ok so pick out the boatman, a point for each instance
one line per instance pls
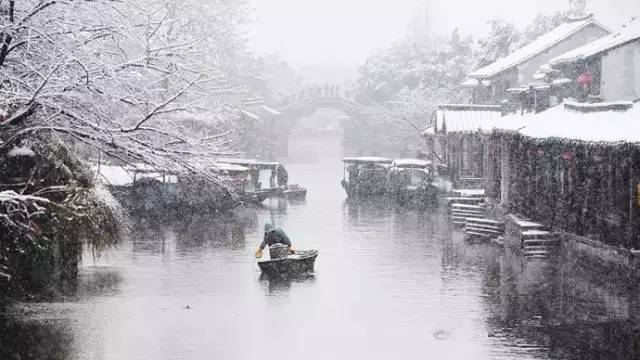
(274, 235)
(282, 176)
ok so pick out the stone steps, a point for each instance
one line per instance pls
(464, 200)
(538, 243)
(467, 209)
(482, 227)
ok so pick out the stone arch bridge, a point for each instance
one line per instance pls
(291, 113)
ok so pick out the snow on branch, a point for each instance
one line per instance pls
(115, 76)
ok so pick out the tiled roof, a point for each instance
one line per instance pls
(465, 118)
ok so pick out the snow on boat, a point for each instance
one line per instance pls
(295, 192)
(277, 179)
(365, 176)
(410, 182)
(299, 263)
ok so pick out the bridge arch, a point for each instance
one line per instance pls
(308, 106)
(290, 115)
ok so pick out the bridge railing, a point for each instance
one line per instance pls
(319, 91)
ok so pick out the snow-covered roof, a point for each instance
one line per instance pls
(114, 175)
(534, 48)
(561, 81)
(470, 83)
(250, 115)
(123, 176)
(21, 151)
(365, 159)
(247, 162)
(627, 34)
(517, 90)
(469, 192)
(602, 122)
(465, 118)
(229, 167)
(411, 163)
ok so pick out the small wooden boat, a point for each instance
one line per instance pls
(263, 194)
(295, 192)
(300, 262)
(410, 182)
(258, 196)
(290, 192)
(365, 176)
(251, 169)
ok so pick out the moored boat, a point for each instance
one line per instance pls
(299, 263)
(295, 192)
(365, 176)
(276, 175)
(410, 182)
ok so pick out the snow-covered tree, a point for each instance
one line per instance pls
(578, 7)
(503, 39)
(114, 75)
(125, 79)
(405, 82)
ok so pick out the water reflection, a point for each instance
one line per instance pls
(556, 306)
(190, 233)
(390, 282)
(298, 202)
(98, 281)
(279, 286)
(277, 206)
(35, 339)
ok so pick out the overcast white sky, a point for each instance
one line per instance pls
(344, 32)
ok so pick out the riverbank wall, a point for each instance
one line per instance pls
(615, 261)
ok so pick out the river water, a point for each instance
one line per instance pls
(389, 283)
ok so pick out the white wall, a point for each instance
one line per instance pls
(588, 34)
(621, 73)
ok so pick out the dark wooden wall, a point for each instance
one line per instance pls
(589, 189)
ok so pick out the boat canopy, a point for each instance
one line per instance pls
(230, 167)
(126, 175)
(250, 163)
(147, 169)
(411, 163)
(367, 160)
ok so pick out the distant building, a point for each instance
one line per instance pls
(607, 69)
(490, 83)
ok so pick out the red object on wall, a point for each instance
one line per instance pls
(567, 156)
(34, 227)
(585, 79)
